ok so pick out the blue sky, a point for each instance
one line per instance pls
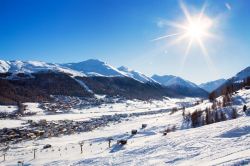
(120, 32)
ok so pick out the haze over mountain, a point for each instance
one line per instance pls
(233, 83)
(212, 85)
(179, 84)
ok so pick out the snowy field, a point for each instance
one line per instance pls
(7, 109)
(222, 143)
(130, 106)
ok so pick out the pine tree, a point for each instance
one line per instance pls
(223, 116)
(234, 113)
(217, 116)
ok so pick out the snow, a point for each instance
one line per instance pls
(11, 124)
(212, 85)
(243, 74)
(33, 67)
(136, 75)
(4, 66)
(57, 117)
(169, 80)
(34, 108)
(222, 143)
(7, 109)
(180, 81)
(148, 147)
(130, 106)
(94, 67)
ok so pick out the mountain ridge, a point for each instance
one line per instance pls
(212, 85)
(182, 86)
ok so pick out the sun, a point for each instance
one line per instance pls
(196, 28)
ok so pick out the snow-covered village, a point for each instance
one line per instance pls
(169, 84)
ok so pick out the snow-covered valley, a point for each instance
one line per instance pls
(222, 143)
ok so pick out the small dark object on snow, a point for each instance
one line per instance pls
(30, 121)
(165, 133)
(122, 142)
(244, 108)
(47, 146)
(20, 163)
(143, 126)
(133, 132)
(109, 140)
(247, 87)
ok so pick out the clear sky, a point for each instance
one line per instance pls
(120, 32)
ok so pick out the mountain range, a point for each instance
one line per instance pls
(212, 85)
(234, 83)
(35, 80)
(180, 85)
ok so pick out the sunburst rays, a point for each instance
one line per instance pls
(195, 29)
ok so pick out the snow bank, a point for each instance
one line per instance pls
(7, 109)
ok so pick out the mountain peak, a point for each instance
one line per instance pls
(135, 75)
(243, 73)
(94, 67)
(17, 66)
(181, 85)
(212, 85)
(123, 68)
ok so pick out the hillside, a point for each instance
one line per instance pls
(181, 86)
(33, 81)
(212, 85)
(234, 83)
(221, 143)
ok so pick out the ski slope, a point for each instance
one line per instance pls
(217, 144)
(222, 143)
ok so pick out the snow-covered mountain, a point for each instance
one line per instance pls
(28, 67)
(169, 80)
(136, 75)
(242, 74)
(212, 85)
(111, 81)
(179, 85)
(234, 83)
(94, 67)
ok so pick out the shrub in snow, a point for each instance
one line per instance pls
(217, 116)
(143, 126)
(212, 97)
(226, 100)
(173, 128)
(173, 110)
(196, 117)
(214, 105)
(169, 129)
(234, 113)
(212, 116)
(133, 132)
(223, 116)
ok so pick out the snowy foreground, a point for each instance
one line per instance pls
(222, 143)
